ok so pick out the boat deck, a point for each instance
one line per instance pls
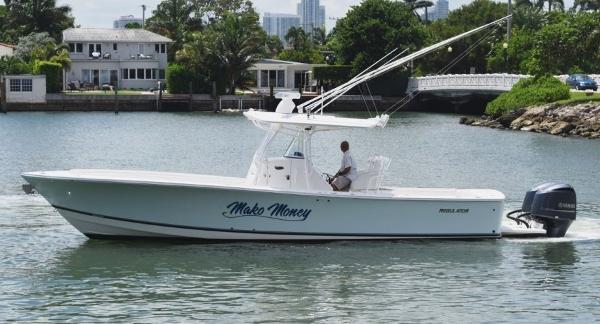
(220, 182)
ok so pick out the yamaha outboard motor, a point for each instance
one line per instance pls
(552, 204)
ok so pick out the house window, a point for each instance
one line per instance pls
(253, 78)
(280, 78)
(115, 47)
(163, 48)
(154, 74)
(85, 75)
(161, 74)
(71, 47)
(132, 74)
(264, 79)
(26, 85)
(21, 85)
(157, 48)
(15, 85)
(94, 48)
(125, 74)
(148, 74)
(140, 74)
(79, 47)
(141, 48)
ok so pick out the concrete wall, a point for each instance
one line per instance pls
(37, 93)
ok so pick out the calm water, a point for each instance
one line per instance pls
(48, 271)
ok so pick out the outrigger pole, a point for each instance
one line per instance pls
(318, 103)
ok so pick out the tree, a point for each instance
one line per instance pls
(373, 29)
(473, 15)
(302, 48)
(173, 19)
(586, 5)
(274, 46)
(133, 25)
(27, 16)
(42, 47)
(236, 41)
(225, 49)
(13, 65)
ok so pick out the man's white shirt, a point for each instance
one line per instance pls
(348, 161)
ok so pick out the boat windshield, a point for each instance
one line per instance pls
(296, 148)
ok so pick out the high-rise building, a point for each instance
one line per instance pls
(441, 9)
(312, 15)
(123, 21)
(438, 11)
(279, 24)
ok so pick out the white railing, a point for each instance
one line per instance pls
(468, 82)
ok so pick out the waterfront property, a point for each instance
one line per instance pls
(124, 58)
(6, 49)
(282, 76)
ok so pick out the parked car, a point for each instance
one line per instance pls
(581, 82)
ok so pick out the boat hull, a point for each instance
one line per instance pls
(127, 209)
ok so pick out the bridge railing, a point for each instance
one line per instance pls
(471, 82)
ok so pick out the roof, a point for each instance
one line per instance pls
(318, 122)
(7, 45)
(113, 35)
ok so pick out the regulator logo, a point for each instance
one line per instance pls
(278, 211)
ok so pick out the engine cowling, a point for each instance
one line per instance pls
(554, 205)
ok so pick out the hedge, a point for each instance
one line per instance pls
(529, 92)
(52, 71)
(333, 73)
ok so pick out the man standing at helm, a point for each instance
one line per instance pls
(347, 173)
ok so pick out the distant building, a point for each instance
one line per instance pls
(312, 15)
(282, 76)
(441, 9)
(125, 58)
(123, 21)
(279, 24)
(6, 50)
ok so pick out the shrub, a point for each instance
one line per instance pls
(529, 92)
(179, 78)
(333, 73)
(52, 71)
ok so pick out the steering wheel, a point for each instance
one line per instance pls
(328, 177)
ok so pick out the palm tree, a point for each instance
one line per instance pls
(39, 16)
(296, 37)
(552, 4)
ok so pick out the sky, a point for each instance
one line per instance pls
(102, 13)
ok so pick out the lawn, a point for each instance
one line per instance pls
(580, 97)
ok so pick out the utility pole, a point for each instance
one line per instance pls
(144, 16)
(509, 21)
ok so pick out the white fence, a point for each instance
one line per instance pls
(465, 82)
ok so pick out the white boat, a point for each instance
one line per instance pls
(281, 198)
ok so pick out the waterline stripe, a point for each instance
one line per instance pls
(390, 236)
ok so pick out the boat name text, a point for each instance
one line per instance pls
(275, 211)
(454, 210)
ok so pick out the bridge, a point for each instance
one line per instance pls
(459, 85)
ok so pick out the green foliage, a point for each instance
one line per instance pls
(529, 92)
(36, 46)
(52, 71)
(467, 17)
(373, 29)
(25, 17)
(274, 46)
(333, 73)
(13, 65)
(179, 78)
(303, 49)
(556, 43)
(133, 25)
(225, 50)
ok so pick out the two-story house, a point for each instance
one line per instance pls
(125, 58)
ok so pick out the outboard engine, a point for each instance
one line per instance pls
(552, 204)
